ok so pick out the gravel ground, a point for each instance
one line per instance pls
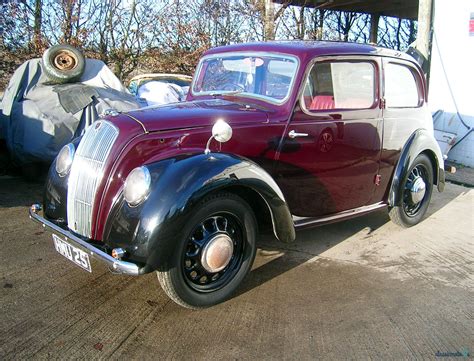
(360, 289)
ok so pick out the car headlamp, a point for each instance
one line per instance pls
(137, 186)
(64, 159)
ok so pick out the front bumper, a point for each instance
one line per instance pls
(116, 266)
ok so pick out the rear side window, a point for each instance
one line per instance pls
(401, 88)
(340, 85)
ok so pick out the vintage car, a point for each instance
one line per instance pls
(288, 134)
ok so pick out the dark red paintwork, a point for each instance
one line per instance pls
(317, 179)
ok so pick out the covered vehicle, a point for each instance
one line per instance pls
(160, 88)
(41, 112)
(293, 134)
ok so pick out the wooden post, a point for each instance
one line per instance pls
(374, 27)
(423, 39)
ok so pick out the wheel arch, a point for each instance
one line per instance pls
(420, 141)
(276, 216)
(434, 163)
(178, 186)
(255, 200)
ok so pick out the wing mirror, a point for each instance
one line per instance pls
(221, 131)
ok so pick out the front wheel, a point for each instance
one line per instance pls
(416, 189)
(214, 253)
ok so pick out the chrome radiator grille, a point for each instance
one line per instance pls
(86, 174)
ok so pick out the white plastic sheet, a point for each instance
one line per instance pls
(158, 93)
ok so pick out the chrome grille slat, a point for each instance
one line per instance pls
(86, 174)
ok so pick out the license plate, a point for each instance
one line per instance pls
(72, 253)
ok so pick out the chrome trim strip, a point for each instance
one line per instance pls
(138, 121)
(116, 265)
(308, 221)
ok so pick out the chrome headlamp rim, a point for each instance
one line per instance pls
(146, 184)
(63, 169)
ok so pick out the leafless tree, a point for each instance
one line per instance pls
(397, 33)
(316, 21)
(170, 35)
(344, 22)
(360, 30)
(21, 24)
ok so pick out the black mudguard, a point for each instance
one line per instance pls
(54, 197)
(55, 194)
(150, 230)
(420, 141)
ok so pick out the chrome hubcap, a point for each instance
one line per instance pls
(214, 252)
(417, 190)
(217, 253)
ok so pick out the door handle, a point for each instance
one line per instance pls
(292, 134)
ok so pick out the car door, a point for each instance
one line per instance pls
(329, 157)
(403, 114)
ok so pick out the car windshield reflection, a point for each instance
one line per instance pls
(266, 76)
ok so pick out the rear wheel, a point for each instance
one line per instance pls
(416, 189)
(215, 252)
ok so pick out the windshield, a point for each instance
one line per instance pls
(265, 76)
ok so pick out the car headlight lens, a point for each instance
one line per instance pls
(64, 159)
(137, 186)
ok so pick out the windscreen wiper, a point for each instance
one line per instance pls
(224, 93)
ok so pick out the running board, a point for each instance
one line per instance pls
(303, 222)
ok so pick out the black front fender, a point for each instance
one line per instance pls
(421, 141)
(55, 194)
(150, 230)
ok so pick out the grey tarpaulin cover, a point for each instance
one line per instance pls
(38, 118)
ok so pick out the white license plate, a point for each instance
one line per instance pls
(72, 253)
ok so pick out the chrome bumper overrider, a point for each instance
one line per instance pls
(115, 265)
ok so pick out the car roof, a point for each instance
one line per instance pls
(305, 48)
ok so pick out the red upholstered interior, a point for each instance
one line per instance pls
(322, 102)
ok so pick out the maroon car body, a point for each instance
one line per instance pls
(334, 141)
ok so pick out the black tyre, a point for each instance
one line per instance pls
(416, 188)
(213, 254)
(63, 64)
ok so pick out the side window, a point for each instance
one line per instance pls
(340, 85)
(280, 73)
(401, 89)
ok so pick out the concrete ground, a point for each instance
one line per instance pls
(360, 289)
